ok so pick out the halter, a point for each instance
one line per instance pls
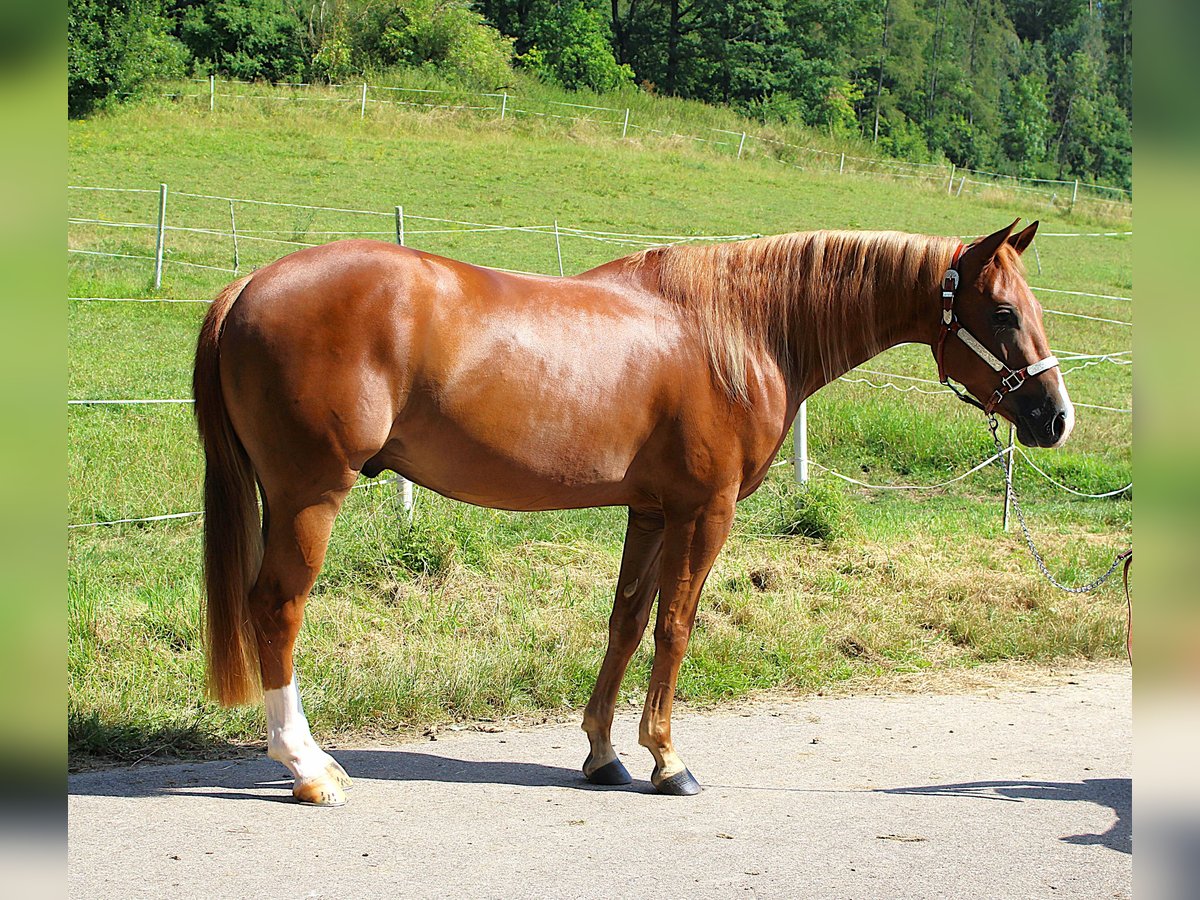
(1010, 379)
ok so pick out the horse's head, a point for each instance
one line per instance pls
(995, 344)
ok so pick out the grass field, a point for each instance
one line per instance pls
(473, 612)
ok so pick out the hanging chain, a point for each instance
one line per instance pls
(1120, 558)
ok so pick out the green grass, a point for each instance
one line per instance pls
(473, 612)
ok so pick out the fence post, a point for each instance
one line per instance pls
(741, 144)
(162, 234)
(625, 127)
(362, 113)
(961, 185)
(503, 105)
(1008, 468)
(950, 186)
(842, 165)
(403, 485)
(800, 443)
(233, 227)
(1074, 193)
(212, 92)
(558, 248)
(1037, 256)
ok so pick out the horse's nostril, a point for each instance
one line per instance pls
(1058, 425)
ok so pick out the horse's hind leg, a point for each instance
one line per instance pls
(296, 540)
(636, 586)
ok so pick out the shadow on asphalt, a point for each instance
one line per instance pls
(262, 779)
(1114, 793)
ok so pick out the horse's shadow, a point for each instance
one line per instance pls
(261, 779)
(1114, 793)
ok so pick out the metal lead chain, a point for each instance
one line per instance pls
(993, 425)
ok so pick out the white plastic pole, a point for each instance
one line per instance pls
(503, 105)
(961, 185)
(842, 165)
(406, 495)
(233, 229)
(558, 248)
(950, 186)
(403, 485)
(362, 113)
(741, 144)
(625, 127)
(212, 92)
(800, 443)
(162, 235)
(1037, 256)
(1075, 192)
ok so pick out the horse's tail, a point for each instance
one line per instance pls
(232, 531)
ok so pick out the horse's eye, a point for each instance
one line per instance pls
(1005, 318)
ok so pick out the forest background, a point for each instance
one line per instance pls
(1036, 88)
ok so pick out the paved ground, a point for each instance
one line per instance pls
(1021, 792)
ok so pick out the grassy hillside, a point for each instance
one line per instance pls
(474, 612)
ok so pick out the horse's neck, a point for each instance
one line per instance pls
(897, 314)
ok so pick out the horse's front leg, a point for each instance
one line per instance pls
(636, 586)
(691, 545)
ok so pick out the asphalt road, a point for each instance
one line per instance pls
(1022, 791)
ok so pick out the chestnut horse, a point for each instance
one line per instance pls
(664, 382)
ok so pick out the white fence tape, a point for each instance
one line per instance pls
(914, 487)
(510, 105)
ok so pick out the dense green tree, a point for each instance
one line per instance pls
(114, 48)
(247, 39)
(570, 43)
(1026, 117)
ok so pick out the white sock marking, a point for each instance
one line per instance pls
(289, 740)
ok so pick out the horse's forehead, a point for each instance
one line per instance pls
(1007, 283)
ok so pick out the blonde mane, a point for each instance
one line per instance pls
(808, 298)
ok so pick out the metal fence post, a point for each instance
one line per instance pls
(162, 234)
(233, 229)
(800, 443)
(1008, 468)
(558, 248)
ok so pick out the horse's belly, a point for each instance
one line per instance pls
(527, 459)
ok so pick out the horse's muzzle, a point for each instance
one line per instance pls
(1046, 421)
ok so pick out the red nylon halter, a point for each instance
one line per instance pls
(950, 283)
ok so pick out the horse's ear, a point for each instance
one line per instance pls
(1020, 242)
(980, 252)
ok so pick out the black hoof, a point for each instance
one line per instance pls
(610, 773)
(681, 784)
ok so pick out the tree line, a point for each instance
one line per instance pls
(1029, 87)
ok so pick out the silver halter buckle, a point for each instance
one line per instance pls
(1013, 380)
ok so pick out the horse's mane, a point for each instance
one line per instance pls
(808, 297)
